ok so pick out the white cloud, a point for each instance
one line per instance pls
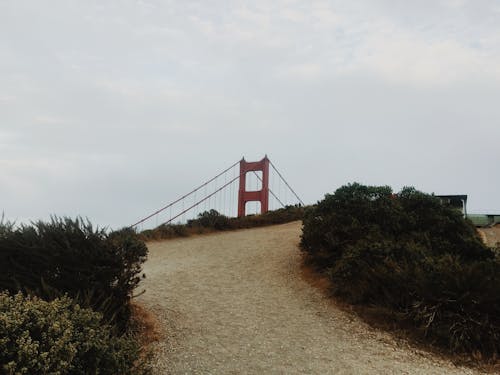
(455, 3)
(19, 175)
(306, 71)
(7, 98)
(407, 58)
(293, 15)
(49, 120)
(324, 16)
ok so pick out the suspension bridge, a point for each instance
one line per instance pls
(240, 189)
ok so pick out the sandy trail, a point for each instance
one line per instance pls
(235, 303)
(491, 236)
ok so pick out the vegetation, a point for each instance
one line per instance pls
(210, 221)
(59, 337)
(412, 256)
(66, 256)
(65, 298)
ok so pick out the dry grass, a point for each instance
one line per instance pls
(146, 325)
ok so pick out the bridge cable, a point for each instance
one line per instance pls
(274, 195)
(279, 174)
(203, 200)
(184, 196)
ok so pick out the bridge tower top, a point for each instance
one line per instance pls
(262, 195)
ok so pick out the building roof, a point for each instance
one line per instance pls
(459, 197)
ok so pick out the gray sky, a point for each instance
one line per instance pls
(110, 109)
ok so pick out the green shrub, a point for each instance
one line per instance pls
(210, 219)
(59, 337)
(66, 256)
(411, 254)
(214, 221)
(280, 216)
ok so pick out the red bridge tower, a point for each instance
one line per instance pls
(261, 196)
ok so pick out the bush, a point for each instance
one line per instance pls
(412, 255)
(66, 256)
(280, 216)
(164, 231)
(59, 337)
(212, 220)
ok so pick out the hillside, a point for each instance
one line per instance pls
(236, 302)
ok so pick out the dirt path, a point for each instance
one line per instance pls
(234, 303)
(491, 236)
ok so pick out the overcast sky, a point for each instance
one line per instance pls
(110, 109)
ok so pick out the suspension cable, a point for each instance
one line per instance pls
(279, 174)
(184, 196)
(204, 199)
(269, 189)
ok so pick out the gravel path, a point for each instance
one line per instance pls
(491, 236)
(235, 303)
